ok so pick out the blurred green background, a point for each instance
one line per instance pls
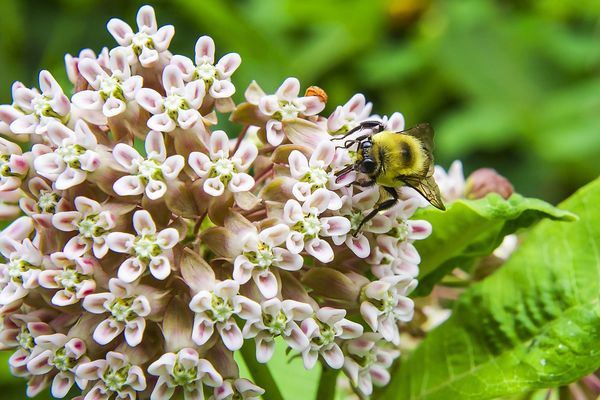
(514, 85)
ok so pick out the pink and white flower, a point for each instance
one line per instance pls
(183, 369)
(217, 308)
(367, 362)
(127, 312)
(452, 183)
(239, 388)
(115, 375)
(72, 64)
(348, 116)
(149, 249)
(45, 202)
(62, 354)
(180, 106)
(216, 77)
(274, 318)
(307, 227)
(385, 302)
(219, 171)
(38, 109)
(20, 272)
(74, 157)
(261, 253)
(150, 174)
(108, 95)
(91, 222)
(13, 166)
(149, 45)
(73, 278)
(283, 106)
(322, 330)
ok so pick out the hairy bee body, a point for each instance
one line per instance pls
(393, 159)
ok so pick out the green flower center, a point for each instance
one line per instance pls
(173, 103)
(121, 309)
(89, 227)
(276, 324)
(184, 377)
(263, 258)
(25, 338)
(69, 278)
(62, 361)
(18, 267)
(222, 309)
(355, 218)
(288, 110)
(310, 226)
(146, 248)
(141, 40)
(70, 154)
(317, 177)
(327, 335)
(111, 86)
(5, 169)
(150, 170)
(224, 168)
(47, 202)
(401, 230)
(207, 72)
(115, 380)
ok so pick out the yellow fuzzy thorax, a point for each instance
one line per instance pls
(398, 154)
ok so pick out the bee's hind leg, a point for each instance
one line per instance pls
(381, 207)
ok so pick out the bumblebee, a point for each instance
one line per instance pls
(393, 159)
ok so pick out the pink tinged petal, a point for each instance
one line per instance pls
(364, 384)
(25, 124)
(134, 331)
(91, 370)
(202, 331)
(404, 309)
(99, 248)
(160, 267)
(312, 105)
(289, 89)
(146, 20)
(36, 384)
(185, 65)
(128, 185)
(296, 339)
(136, 379)
(242, 269)
(49, 164)
(320, 249)
(167, 238)
(47, 279)
(275, 235)
(69, 178)
(389, 329)
(288, 261)
(107, 331)
(205, 50)
(292, 212)
(228, 64)
(275, 134)
(245, 155)
(266, 283)
(120, 242)
(164, 365)
(76, 347)
(241, 182)
(76, 247)
(359, 245)
(298, 164)
(187, 118)
(335, 226)
(143, 223)
(127, 156)
(409, 253)
(155, 189)
(141, 306)
(173, 166)
(221, 89)
(330, 315)
(210, 375)
(269, 105)
(379, 224)
(120, 31)
(155, 146)
(333, 356)
(66, 221)
(323, 154)
(295, 242)
(379, 375)
(172, 78)
(254, 93)
(61, 384)
(162, 390)
(214, 186)
(370, 313)
(419, 229)
(309, 357)
(231, 336)
(265, 348)
(194, 93)
(94, 303)
(162, 38)
(131, 86)
(200, 163)
(201, 301)
(113, 107)
(41, 363)
(88, 100)
(162, 123)
(150, 100)
(219, 145)
(227, 289)
(64, 298)
(249, 309)
(130, 270)
(149, 57)
(350, 329)
(48, 84)
(90, 161)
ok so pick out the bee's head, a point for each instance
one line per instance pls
(366, 164)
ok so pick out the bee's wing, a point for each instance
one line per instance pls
(427, 187)
(423, 132)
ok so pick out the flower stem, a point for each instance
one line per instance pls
(260, 372)
(327, 382)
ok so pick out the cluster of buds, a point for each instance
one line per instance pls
(149, 246)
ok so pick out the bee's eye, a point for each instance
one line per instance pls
(367, 166)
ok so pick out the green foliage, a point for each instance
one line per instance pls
(470, 229)
(533, 324)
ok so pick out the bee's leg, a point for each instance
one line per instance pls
(376, 126)
(381, 207)
(364, 183)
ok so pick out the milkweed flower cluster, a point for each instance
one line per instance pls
(149, 246)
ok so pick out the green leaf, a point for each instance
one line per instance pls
(470, 229)
(533, 324)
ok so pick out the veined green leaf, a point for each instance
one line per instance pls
(469, 229)
(533, 324)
